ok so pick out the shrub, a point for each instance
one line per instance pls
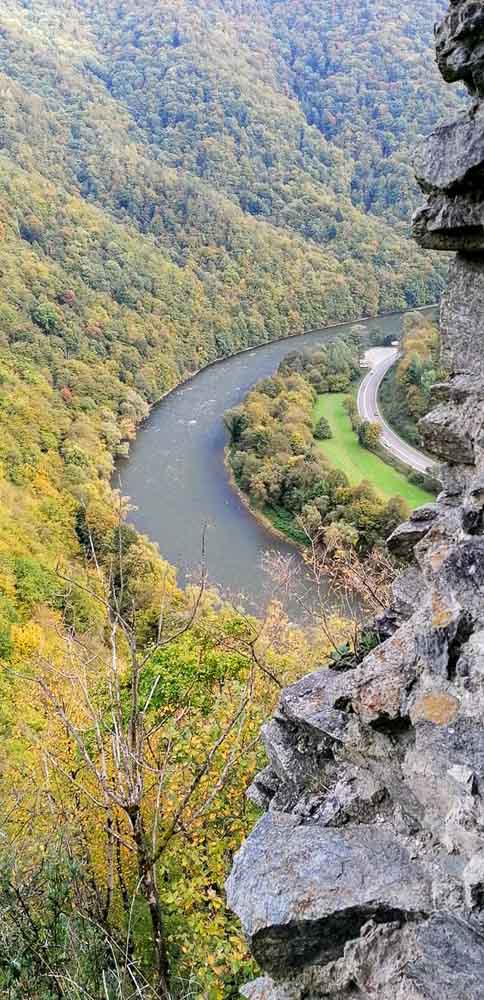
(323, 431)
(349, 404)
(369, 434)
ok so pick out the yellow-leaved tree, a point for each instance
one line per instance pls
(130, 749)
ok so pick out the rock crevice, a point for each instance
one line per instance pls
(365, 877)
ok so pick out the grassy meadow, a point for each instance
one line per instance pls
(344, 452)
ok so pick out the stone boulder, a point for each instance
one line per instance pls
(449, 167)
(303, 891)
(460, 45)
(462, 317)
(439, 959)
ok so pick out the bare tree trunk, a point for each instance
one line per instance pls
(149, 889)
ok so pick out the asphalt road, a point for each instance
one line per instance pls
(380, 360)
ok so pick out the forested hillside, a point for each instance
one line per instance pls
(242, 144)
(405, 392)
(177, 181)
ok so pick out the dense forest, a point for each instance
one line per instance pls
(176, 181)
(405, 391)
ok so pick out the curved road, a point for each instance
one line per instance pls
(380, 360)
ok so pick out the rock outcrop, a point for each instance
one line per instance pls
(450, 165)
(365, 877)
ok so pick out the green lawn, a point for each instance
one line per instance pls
(344, 451)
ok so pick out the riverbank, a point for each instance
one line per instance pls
(255, 512)
(285, 474)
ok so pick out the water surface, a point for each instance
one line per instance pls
(175, 477)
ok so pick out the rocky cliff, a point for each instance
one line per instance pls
(365, 876)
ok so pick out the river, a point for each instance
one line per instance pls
(176, 481)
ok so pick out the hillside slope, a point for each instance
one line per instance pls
(179, 182)
(191, 124)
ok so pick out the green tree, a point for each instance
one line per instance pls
(369, 434)
(323, 431)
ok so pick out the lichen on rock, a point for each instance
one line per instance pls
(365, 878)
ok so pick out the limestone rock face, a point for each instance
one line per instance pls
(449, 165)
(365, 877)
(460, 45)
(462, 317)
(439, 959)
(324, 886)
(406, 536)
(451, 159)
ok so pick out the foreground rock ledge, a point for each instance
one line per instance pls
(303, 892)
(442, 959)
(365, 878)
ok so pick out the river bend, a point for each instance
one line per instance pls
(177, 483)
